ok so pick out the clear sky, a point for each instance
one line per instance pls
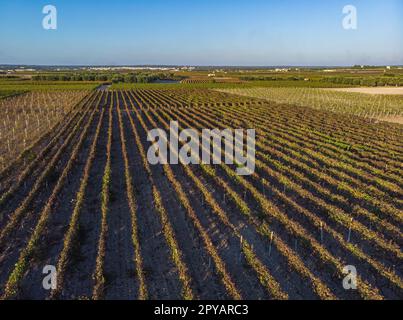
(201, 32)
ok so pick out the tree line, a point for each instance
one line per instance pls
(115, 78)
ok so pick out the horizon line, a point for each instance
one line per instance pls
(198, 66)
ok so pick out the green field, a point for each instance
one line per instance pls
(213, 85)
(4, 93)
(18, 86)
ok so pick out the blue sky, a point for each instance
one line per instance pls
(202, 32)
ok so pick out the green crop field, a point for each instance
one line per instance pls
(25, 85)
(9, 92)
(215, 85)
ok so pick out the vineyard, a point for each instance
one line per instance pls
(81, 195)
(26, 117)
(190, 81)
(364, 105)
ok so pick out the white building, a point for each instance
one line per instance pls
(281, 70)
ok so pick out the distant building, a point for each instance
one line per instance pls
(24, 70)
(281, 70)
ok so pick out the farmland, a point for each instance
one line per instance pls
(29, 116)
(24, 86)
(234, 84)
(82, 196)
(345, 101)
(9, 93)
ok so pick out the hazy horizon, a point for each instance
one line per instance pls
(195, 65)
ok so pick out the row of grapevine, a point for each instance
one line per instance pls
(99, 276)
(71, 233)
(176, 253)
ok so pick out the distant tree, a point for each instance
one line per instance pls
(101, 77)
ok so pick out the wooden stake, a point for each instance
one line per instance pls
(271, 242)
(349, 231)
(321, 232)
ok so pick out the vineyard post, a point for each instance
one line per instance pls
(321, 232)
(349, 231)
(240, 251)
(263, 189)
(271, 243)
